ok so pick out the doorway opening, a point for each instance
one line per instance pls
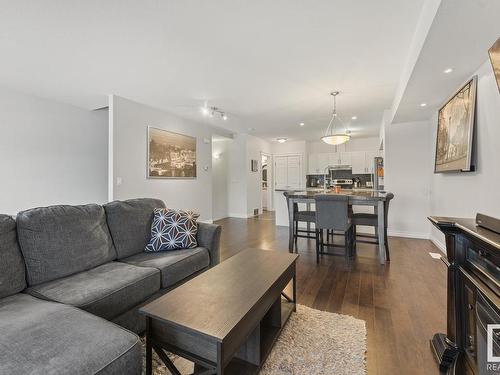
(266, 182)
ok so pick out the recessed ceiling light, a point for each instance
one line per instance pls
(354, 117)
(301, 124)
(224, 116)
(449, 70)
(281, 140)
(204, 111)
(423, 104)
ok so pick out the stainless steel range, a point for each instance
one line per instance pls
(345, 183)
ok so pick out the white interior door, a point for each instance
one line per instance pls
(294, 172)
(281, 172)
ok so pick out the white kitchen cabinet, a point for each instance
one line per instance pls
(323, 162)
(361, 161)
(288, 172)
(313, 164)
(339, 158)
(358, 162)
(345, 158)
(334, 158)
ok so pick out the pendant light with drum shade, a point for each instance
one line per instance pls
(332, 137)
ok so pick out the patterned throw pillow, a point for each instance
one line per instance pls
(172, 230)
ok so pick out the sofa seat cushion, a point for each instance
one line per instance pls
(174, 265)
(41, 337)
(106, 291)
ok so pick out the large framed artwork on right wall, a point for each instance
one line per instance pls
(455, 130)
(495, 60)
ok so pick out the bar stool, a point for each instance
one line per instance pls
(308, 217)
(332, 214)
(371, 220)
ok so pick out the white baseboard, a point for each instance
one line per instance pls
(208, 221)
(441, 246)
(218, 218)
(240, 216)
(397, 233)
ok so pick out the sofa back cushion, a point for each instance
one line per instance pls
(130, 224)
(12, 273)
(58, 241)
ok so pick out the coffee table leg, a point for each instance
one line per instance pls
(166, 361)
(220, 368)
(294, 286)
(149, 348)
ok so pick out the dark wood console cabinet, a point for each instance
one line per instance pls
(473, 303)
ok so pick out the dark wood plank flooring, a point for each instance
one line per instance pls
(403, 303)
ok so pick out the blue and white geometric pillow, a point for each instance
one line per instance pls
(173, 230)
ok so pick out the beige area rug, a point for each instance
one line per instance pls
(313, 342)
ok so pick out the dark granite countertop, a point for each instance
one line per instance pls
(363, 194)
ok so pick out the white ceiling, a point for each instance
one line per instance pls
(461, 33)
(269, 64)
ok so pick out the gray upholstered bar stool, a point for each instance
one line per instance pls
(308, 217)
(371, 220)
(332, 213)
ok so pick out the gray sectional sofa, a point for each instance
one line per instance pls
(72, 279)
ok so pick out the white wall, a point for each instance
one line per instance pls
(220, 177)
(50, 153)
(237, 176)
(255, 148)
(465, 194)
(408, 170)
(130, 122)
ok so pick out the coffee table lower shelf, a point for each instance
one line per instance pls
(253, 353)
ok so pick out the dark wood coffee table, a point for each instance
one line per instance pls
(227, 319)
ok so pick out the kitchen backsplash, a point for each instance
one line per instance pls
(336, 174)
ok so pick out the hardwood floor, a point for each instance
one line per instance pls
(403, 303)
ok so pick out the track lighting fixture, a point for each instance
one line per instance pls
(213, 111)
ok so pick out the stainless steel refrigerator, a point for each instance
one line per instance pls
(378, 173)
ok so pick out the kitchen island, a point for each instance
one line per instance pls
(360, 197)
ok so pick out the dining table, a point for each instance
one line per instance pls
(362, 197)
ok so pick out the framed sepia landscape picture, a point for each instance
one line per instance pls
(455, 131)
(170, 155)
(494, 53)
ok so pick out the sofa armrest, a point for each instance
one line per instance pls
(209, 236)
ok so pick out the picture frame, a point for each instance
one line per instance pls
(170, 155)
(455, 130)
(494, 53)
